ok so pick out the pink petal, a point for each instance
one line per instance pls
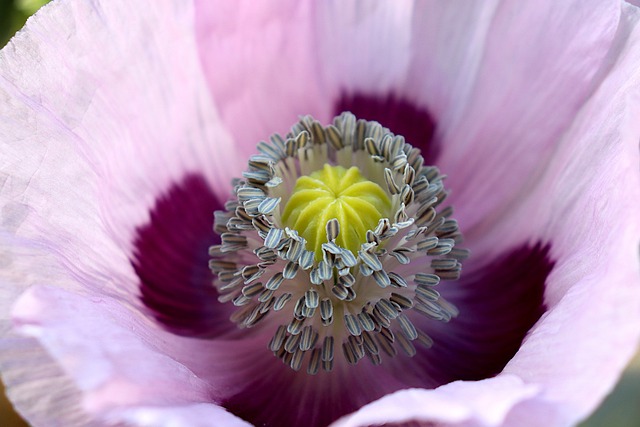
(499, 301)
(121, 122)
(67, 325)
(591, 213)
(134, 366)
(73, 236)
(197, 415)
(484, 402)
(365, 46)
(485, 89)
(586, 205)
(540, 62)
(502, 80)
(91, 138)
(261, 65)
(128, 366)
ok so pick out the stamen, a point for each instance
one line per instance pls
(345, 221)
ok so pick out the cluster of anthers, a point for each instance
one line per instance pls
(335, 233)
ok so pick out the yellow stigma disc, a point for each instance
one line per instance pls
(335, 192)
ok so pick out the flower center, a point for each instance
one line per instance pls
(335, 193)
(335, 237)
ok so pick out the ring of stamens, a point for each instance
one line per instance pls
(339, 293)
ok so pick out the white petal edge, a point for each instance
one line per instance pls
(132, 367)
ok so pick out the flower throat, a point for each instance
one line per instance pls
(335, 238)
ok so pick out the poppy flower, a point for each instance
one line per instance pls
(480, 268)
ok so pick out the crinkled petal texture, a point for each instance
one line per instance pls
(122, 124)
(103, 109)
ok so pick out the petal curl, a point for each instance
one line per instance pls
(129, 366)
(484, 402)
(591, 213)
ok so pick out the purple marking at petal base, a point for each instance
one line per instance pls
(281, 397)
(171, 260)
(399, 115)
(499, 302)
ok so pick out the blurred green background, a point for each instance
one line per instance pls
(13, 13)
(621, 409)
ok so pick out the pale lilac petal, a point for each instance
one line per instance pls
(480, 403)
(32, 397)
(499, 301)
(171, 261)
(87, 153)
(197, 415)
(88, 150)
(132, 364)
(502, 80)
(365, 46)
(593, 195)
(119, 124)
(261, 64)
(119, 368)
(539, 62)
(485, 89)
(423, 52)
